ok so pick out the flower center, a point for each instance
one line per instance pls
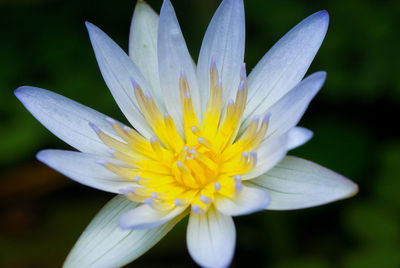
(205, 164)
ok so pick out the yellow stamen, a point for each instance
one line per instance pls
(195, 169)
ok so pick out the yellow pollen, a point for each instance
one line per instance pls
(169, 171)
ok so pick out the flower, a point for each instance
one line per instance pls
(206, 140)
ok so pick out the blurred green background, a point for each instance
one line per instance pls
(44, 43)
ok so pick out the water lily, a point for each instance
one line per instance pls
(205, 140)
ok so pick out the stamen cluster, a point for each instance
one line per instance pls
(169, 170)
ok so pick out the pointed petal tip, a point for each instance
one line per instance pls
(89, 25)
(19, 92)
(92, 29)
(319, 75)
(321, 16)
(41, 155)
(142, 5)
(23, 91)
(354, 189)
(322, 73)
(165, 3)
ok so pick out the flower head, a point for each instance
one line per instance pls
(204, 140)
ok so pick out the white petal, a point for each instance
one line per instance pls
(298, 136)
(224, 40)
(211, 238)
(118, 70)
(269, 153)
(285, 64)
(144, 217)
(66, 118)
(104, 244)
(287, 112)
(297, 183)
(248, 201)
(173, 57)
(143, 45)
(84, 168)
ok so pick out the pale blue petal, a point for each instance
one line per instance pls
(224, 41)
(103, 244)
(211, 238)
(287, 112)
(118, 70)
(248, 201)
(173, 59)
(298, 136)
(144, 217)
(297, 183)
(286, 63)
(66, 119)
(85, 168)
(143, 45)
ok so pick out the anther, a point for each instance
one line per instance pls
(180, 164)
(217, 186)
(205, 199)
(231, 102)
(188, 96)
(196, 209)
(241, 86)
(267, 117)
(134, 84)
(147, 95)
(213, 63)
(94, 127)
(237, 178)
(194, 129)
(238, 186)
(204, 142)
(183, 74)
(126, 190)
(126, 129)
(219, 82)
(110, 120)
(101, 162)
(111, 151)
(253, 154)
(153, 195)
(256, 118)
(179, 202)
(245, 157)
(149, 201)
(136, 179)
(243, 72)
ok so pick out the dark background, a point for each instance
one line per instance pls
(354, 118)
